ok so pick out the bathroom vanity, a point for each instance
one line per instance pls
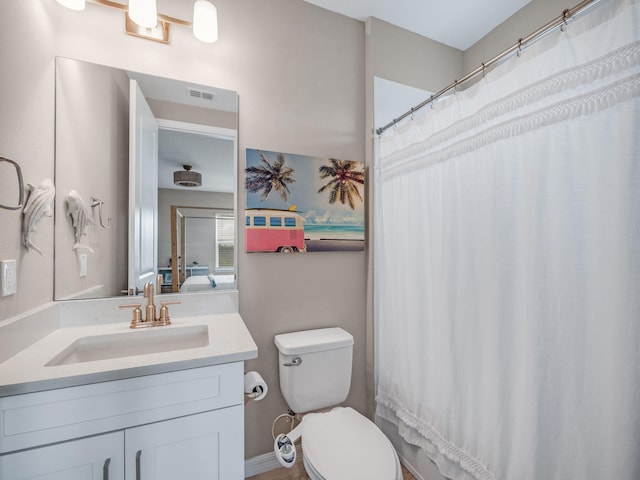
(93, 402)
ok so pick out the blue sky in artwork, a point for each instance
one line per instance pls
(314, 206)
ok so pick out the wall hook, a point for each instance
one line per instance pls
(95, 202)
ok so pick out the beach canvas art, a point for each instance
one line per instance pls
(300, 203)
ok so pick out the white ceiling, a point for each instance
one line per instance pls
(209, 155)
(457, 23)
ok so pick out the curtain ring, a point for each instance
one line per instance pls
(519, 47)
(431, 103)
(455, 87)
(483, 69)
(412, 110)
(565, 16)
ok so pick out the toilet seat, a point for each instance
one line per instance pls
(342, 444)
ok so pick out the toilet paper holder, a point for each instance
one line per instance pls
(255, 387)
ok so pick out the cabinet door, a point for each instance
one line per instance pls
(93, 458)
(205, 446)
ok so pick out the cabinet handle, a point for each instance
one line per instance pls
(105, 469)
(138, 474)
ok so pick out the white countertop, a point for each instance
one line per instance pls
(25, 372)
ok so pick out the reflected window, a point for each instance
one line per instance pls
(225, 243)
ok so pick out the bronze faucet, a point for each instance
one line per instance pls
(151, 320)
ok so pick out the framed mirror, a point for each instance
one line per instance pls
(120, 173)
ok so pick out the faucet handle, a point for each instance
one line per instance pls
(137, 314)
(164, 312)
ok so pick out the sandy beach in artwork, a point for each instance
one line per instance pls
(332, 245)
(334, 238)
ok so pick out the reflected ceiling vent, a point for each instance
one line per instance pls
(187, 178)
(202, 94)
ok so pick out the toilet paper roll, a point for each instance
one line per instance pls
(255, 386)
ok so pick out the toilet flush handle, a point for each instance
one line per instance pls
(294, 363)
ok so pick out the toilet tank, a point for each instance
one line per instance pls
(315, 367)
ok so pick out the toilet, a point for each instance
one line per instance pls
(315, 374)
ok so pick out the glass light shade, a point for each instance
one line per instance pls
(72, 4)
(144, 12)
(205, 21)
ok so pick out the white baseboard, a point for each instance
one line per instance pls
(260, 464)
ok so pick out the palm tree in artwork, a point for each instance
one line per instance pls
(270, 177)
(345, 178)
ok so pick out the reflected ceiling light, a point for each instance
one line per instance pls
(144, 12)
(205, 21)
(72, 4)
(143, 20)
(187, 178)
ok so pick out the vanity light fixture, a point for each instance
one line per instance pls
(144, 13)
(205, 21)
(73, 4)
(143, 20)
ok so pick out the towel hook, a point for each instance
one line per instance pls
(20, 186)
(95, 202)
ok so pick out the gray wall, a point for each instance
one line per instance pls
(411, 59)
(299, 72)
(522, 23)
(26, 136)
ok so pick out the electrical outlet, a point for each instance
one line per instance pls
(83, 264)
(8, 278)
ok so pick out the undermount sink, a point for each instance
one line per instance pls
(130, 343)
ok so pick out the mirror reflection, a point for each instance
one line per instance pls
(191, 259)
(142, 156)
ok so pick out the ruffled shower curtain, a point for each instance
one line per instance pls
(507, 263)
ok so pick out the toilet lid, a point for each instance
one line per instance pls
(342, 444)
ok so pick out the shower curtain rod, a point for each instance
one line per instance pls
(559, 21)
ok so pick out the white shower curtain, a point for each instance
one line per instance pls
(507, 263)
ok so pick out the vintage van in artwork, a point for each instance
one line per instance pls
(270, 230)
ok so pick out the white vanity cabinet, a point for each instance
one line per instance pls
(99, 457)
(207, 446)
(183, 424)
